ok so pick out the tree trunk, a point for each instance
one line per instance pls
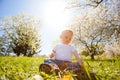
(18, 54)
(92, 56)
(30, 55)
(25, 54)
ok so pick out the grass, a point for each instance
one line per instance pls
(22, 68)
(105, 69)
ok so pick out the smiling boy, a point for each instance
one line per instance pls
(64, 51)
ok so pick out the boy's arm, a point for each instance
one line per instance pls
(52, 54)
(79, 59)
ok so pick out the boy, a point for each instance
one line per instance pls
(63, 58)
(64, 51)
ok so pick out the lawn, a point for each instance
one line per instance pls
(24, 68)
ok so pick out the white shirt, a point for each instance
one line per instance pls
(64, 52)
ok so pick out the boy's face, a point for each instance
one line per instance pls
(66, 37)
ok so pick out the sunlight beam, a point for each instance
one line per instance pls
(55, 13)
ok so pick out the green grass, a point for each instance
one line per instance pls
(105, 69)
(23, 68)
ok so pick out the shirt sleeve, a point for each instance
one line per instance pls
(55, 48)
(77, 56)
(74, 49)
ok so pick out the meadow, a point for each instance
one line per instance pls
(25, 68)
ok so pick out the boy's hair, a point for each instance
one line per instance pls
(70, 31)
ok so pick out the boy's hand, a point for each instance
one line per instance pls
(52, 54)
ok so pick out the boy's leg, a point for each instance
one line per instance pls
(48, 65)
(62, 64)
(79, 71)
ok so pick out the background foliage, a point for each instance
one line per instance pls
(21, 34)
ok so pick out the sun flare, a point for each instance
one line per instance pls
(55, 13)
(55, 19)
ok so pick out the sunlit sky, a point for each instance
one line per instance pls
(52, 13)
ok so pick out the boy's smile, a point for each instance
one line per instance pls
(66, 37)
